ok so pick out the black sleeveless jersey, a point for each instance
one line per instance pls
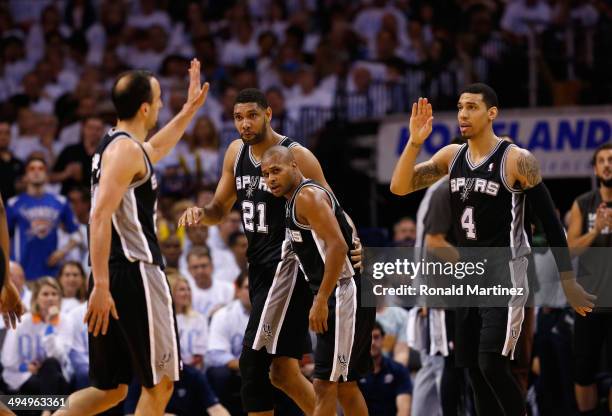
(486, 210)
(593, 265)
(134, 236)
(262, 213)
(309, 247)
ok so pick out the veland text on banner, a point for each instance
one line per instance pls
(563, 140)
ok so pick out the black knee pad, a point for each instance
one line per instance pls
(256, 390)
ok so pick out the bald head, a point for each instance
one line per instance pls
(280, 170)
(278, 154)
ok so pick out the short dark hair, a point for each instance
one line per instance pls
(35, 158)
(488, 94)
(378, 326)
(199, 251)
(252, 95)
(135, 91)
(605, 146)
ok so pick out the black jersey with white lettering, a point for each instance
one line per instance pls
(486, 210)
(309, 247)
(262, 213)
(134, 235)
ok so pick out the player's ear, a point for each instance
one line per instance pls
(492, 112)
(269, 113)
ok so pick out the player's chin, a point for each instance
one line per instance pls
(277, 191)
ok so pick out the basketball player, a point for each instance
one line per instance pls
(591, 226)
(277, 331)
(127, 278)
(489, 181)
(321, 234)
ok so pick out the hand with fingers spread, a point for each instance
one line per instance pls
(197, 93)
(421, 121)
(100, 304)
(191, 217)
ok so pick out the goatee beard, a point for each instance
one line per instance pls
(605, 182)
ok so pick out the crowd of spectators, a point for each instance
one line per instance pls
(316, 61)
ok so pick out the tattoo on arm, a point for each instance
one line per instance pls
(425, 175)
(529, 168)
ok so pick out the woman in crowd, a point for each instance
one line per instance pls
(72, 280)
(35, 355)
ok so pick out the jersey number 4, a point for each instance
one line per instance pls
(467, 223)
(248, 214)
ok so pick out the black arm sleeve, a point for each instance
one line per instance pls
(544, 208)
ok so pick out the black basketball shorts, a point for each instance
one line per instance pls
(144, 341)
(342, 352)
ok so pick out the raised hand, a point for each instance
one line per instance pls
(421, 121)
(197, 93)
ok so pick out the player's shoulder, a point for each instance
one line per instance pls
(122, 148)
(58, 198)
(310, 195)
(587, 197)
(447, 153)
(232, 152)
(517, 154)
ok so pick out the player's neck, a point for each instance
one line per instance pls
(480, 146)
(272, 138)
(606, 193)
(35, 190)
(290, 194)
(134, 128)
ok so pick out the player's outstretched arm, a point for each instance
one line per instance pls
(407, 177)
(523, 167)
(122, 162)
(165, 139)
(225, 195)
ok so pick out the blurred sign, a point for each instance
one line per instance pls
(563, 140)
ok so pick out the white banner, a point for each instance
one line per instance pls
(563, 140)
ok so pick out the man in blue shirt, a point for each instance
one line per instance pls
(387, 390)
(34, 218)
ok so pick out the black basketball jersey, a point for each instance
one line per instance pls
(134, 235)
(592, 264)
(309, 247)
(588, 204)
(262, 213)
(486, 210)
